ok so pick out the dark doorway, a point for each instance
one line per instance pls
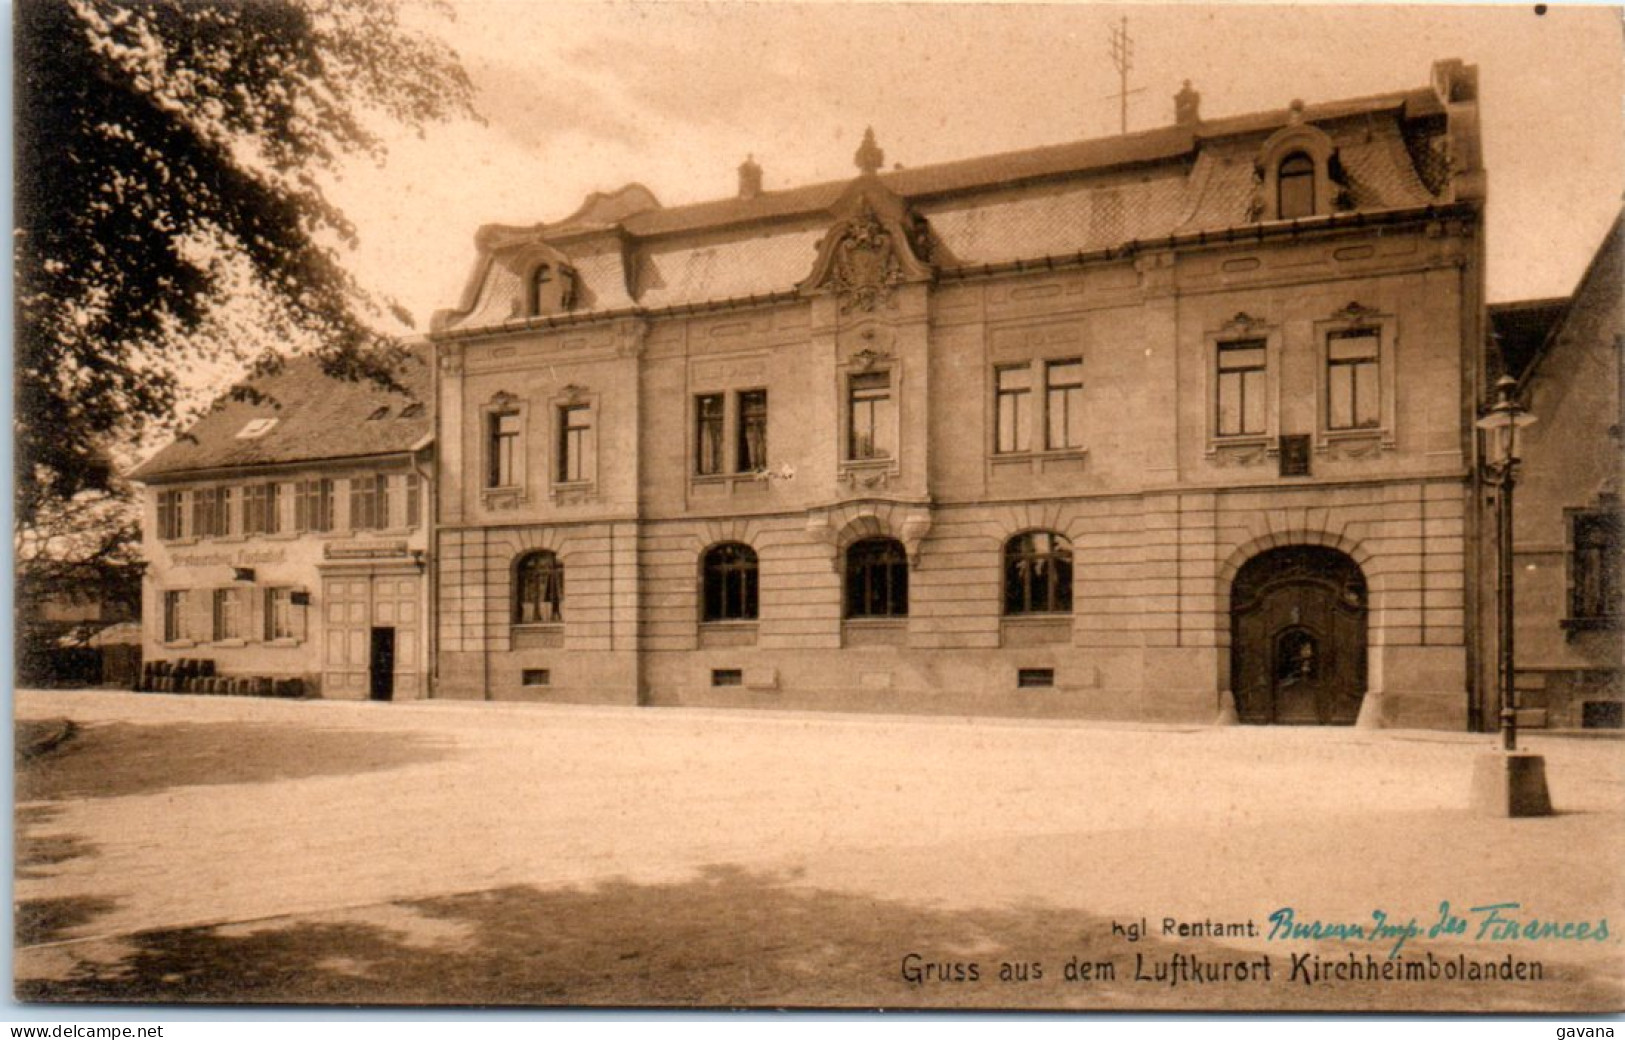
(1298, 638)
(381, 668)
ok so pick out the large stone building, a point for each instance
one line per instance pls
(1568, 584)
(1100, 429)
(286, 535)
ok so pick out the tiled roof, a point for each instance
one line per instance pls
(1056, 200)
(316, 417)
(1520, 328)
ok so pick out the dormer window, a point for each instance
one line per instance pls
(1295, 173)
(255, 428)
(1295, 187)
(552, 289)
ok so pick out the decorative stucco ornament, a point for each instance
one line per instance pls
(866, 267)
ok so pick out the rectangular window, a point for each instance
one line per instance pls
(870, 416)
(369, 502)
(535, 677)
(177, 603)
(1063, 406)
(575, 430)
(1034, 678)
(211, 512)
(313, 505)
(1013, 390)
(503, 450)
(1353, 397)
(1602, 715)
(1241, 387)
(414, 500)
(708, 434)
(260, 509)
(171, 516)
(727, 677)
(229, 613)
(752, 431)
(281, 619)
(203, 506)
(1595, 566)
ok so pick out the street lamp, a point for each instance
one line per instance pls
(1509, 783)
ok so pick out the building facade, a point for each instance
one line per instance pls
(287, 536)
(1568, 589)
(1130, 428)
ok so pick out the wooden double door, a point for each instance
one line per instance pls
(373, 628)
(1298, 638)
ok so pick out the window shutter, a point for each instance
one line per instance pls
(200, 615)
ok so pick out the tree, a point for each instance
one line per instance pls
(169, 164)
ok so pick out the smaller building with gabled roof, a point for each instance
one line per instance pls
(1568, 568)
(286, 534)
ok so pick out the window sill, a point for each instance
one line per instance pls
(715, 485)
(1241, 440)
(284, 642)
(1046, 453)
(868, 474)
(179, 644)
(179, 542)
(884, 631)
(1035, 629)
(568, 492)
(549, 636)
(1038, 463)
(229, 644)
(503, 497)
(727, 633)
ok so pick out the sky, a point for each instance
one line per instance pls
(588, 96)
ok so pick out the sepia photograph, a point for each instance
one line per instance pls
(830, 506)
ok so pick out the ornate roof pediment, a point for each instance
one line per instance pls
(876, 244)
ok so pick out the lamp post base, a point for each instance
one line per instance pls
(1510, 783)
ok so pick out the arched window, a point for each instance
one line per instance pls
(730, 582)
(1295, 187)
(876, 579)
(551, 288)
(541, 289)
(1038, 574)
(538, 590)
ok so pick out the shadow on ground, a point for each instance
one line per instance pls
(728, 937)
(118, 758)
(48, 920)
(36, 853)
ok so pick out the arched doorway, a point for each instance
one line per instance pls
(1297, 637)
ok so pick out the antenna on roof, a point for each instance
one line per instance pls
(1123, 57)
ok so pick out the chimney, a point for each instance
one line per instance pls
(750, 178)
(1187, 106)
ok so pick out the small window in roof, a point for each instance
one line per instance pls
(255, 428)
(381, 412)
(412, 410)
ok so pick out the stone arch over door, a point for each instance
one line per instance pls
(1299, 617)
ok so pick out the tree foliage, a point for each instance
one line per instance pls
(170, 157)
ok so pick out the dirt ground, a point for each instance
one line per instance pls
(230, 850)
